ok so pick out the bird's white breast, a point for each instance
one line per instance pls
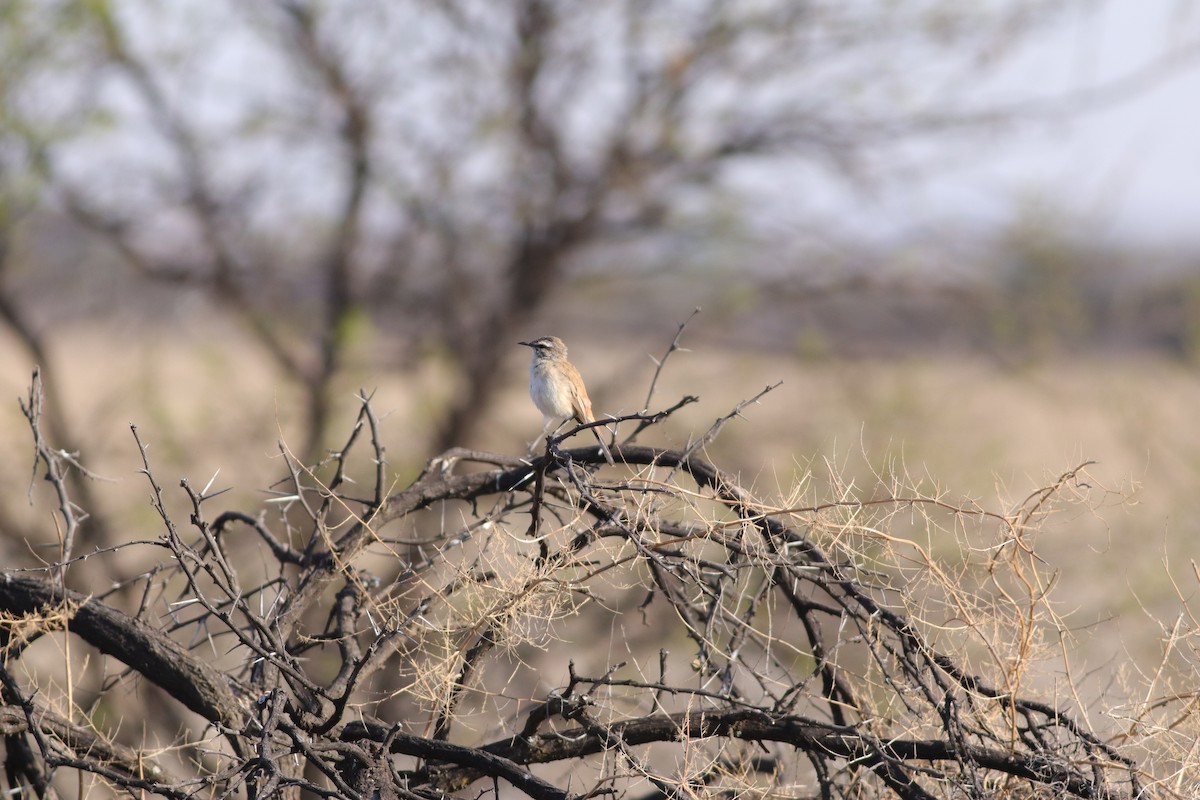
(550, 391)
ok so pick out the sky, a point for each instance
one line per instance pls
(1129, 169)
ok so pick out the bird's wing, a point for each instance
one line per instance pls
(581, 405)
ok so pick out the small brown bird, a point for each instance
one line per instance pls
(557, 388)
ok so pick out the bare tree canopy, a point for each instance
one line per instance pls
(438, 166)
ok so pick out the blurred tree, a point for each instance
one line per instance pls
(1043, 298)
(440, 165)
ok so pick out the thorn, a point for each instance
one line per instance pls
(208, 485)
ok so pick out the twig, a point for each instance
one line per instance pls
(661, 362)
(711, 434)
(55, 475)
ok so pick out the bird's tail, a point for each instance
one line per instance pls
(603, 447)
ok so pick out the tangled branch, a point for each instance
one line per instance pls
(416, 642)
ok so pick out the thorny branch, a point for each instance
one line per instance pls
(56, 464)
(408, 643)
(662, 362)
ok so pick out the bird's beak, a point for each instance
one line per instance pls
(527, 344)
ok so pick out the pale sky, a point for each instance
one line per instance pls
(1131, 169)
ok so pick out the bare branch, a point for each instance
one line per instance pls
(661, 362)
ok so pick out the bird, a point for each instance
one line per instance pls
(557, 388)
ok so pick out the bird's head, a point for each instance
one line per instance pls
(547, 347)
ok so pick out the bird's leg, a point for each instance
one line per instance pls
(546, 433)
(533, 445)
